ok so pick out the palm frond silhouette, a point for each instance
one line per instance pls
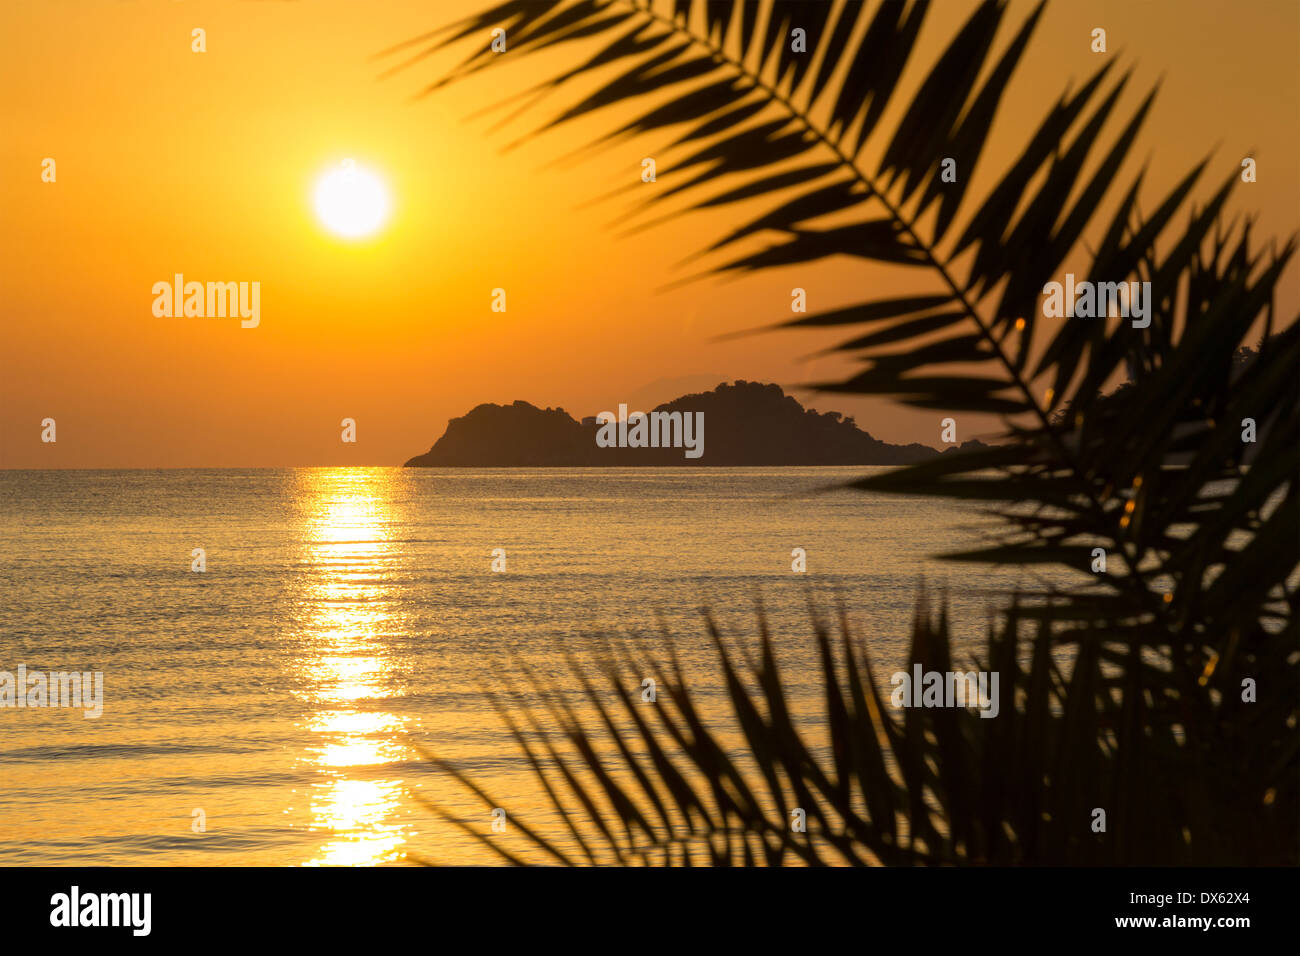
(666, 784)
(1198, 526)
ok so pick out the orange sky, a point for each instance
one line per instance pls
(170, 161)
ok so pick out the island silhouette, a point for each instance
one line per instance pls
(745, 423)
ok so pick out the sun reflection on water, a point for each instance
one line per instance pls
(346, 669)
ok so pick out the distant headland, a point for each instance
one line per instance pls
(744, 423)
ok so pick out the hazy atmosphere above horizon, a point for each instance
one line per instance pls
(379, 306)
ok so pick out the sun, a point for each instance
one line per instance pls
(351, 201)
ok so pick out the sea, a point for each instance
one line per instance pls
(286, 653)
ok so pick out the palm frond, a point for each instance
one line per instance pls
(1119, 437)
(878, 784)
(747, 106)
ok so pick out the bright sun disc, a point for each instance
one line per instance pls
(351, 202)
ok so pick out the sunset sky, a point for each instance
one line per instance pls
(169, 161)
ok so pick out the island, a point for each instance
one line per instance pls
(737, 424)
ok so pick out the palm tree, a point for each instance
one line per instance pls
(1184, 478)
(666, 785)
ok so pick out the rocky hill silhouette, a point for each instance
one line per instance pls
(745, 423)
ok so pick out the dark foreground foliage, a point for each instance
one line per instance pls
(1200, 527)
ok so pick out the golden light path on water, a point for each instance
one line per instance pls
(346, 669)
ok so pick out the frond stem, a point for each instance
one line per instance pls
(932, 259)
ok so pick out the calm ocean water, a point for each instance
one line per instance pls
(348, 614)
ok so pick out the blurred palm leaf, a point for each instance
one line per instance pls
(662, 784)
(1199, 527)
(745, 104)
